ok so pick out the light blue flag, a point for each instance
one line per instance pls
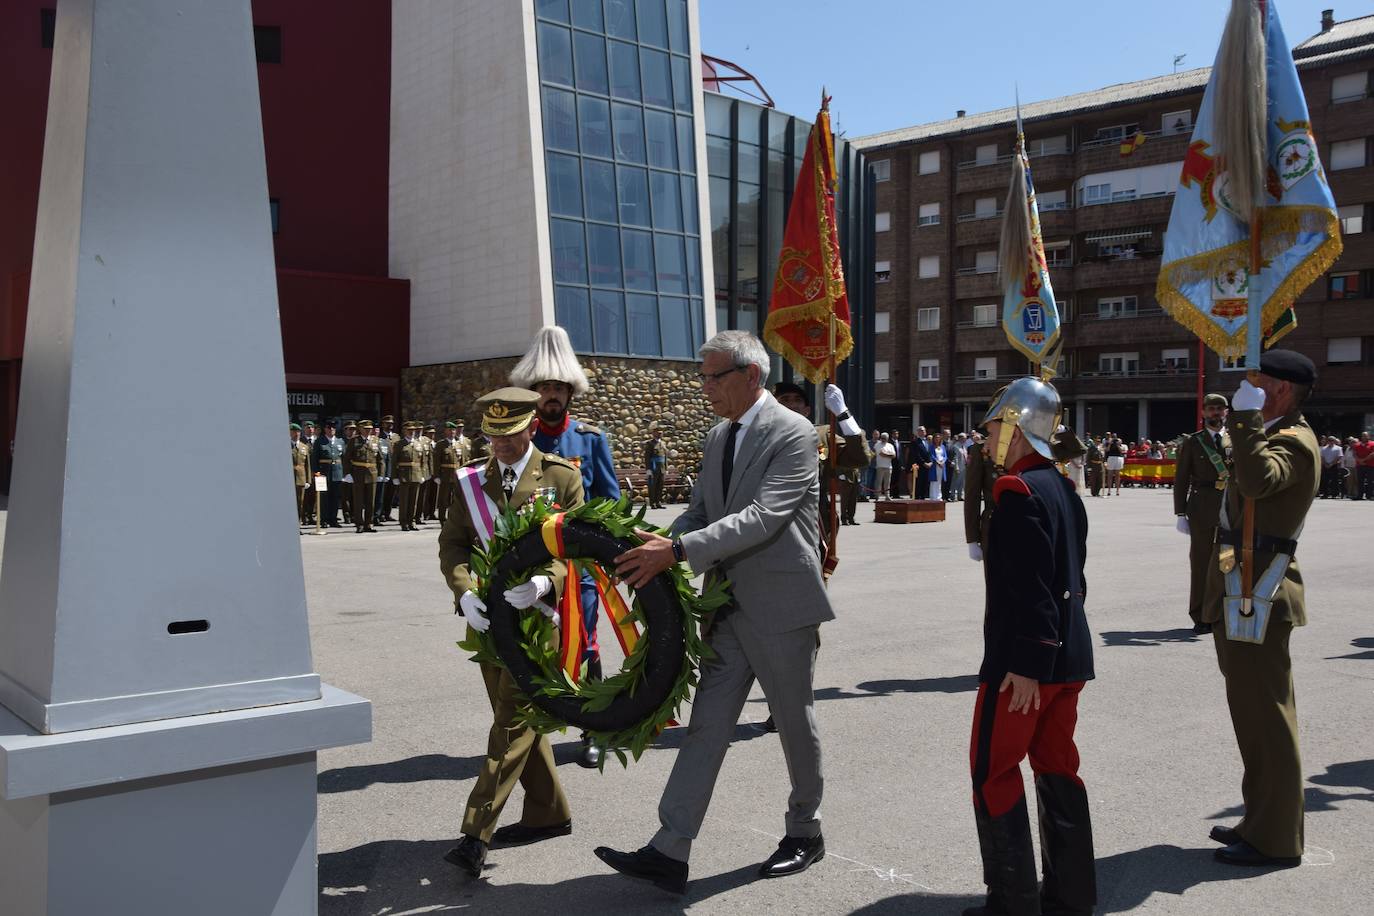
(1205, 281)
(1029, 314)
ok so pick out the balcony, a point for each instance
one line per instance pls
(1095, 383)
(971, 337)
(1148, 325)
(1142, 270)
(1105, 155)
(978, 228)
(969, 283)
(1136, 210)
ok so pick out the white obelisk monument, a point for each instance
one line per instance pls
(160, 710)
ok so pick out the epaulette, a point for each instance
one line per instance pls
(559, 459)
(1009, 483)
(588, 429)
(1289, 431)
(476, 462)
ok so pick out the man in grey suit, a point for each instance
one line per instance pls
(752, 520)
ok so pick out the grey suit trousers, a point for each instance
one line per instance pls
(784, 664)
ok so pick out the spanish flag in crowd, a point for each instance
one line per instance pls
(808, 314)
(1132, 144)
(1253, 175)
(1029, 314)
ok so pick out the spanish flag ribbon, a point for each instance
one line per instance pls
(1132, 144)
(572, 629)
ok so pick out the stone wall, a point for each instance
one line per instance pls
(625, 397)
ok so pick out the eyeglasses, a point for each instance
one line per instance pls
(705, 377)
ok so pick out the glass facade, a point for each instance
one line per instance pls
(618, 109)
(753, 155)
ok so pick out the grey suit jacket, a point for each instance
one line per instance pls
(762, 535)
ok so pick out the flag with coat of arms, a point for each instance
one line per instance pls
(1208, 280)
(1030, 316)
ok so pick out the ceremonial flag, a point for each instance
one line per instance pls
(1029, 314)
(1253, 221)
(1133, 144)
(808, 314)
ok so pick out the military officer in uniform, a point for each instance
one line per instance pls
(1275, 476)
(308, 437)
(514, 753)
(1096, 469)
(979, 477)
(386, 487)
(1037, 658)
(450, 455)
(362, 457)
(350, 432)
(550, 368)
(300, 466)
(1203, 467)
(328, 461)
(655, 465)
(429, 492)
(406, 464)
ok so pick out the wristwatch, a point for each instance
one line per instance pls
(678, 553)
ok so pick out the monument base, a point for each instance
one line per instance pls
(209, 814)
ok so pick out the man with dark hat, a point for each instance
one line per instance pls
(328, 461)
(1254, 599)
(550, 368)
(429, 491)
(407, 455)
(350, 432)
(362, 455)
(308, 438)
(300, 466)
(1203, 467)
(510, 478)
(386, 487)
(851, 450)
(655, 465)
(1037, 657)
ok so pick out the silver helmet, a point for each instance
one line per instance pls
(1032, 406)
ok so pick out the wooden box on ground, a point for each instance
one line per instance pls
(904, 511)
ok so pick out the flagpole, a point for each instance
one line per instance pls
(833, 483)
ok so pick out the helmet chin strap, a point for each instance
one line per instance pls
(1004, 437)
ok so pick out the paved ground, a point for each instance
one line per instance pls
(895, 696)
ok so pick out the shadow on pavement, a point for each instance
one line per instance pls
(962, 683)
(932, 904)
(1364, 642)
(1357, 774)
(1126, 880)
(402, 876)
(1148, 637)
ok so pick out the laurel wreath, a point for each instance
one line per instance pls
(538, 637)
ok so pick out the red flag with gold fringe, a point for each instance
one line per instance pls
(808, 290)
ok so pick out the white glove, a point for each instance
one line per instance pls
(526, 594)
(834, 399)
(975, 553)
(474, 611)
(548, 611)
(436, 480)
(1182, 525)
(1248, 397)
(348, 478)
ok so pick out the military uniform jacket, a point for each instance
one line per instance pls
(384, 443)
(426, 456)
(361, 457)
(655, 454)
(449, 456)
(1281, 471)
(459, 536)
(300, 462)
(1034, 624)
(851, 455)
(407, 461)
(588, 449)
(978, 504)
(1195, 480)
(328, 458)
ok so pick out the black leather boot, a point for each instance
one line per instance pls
(1008, 864)
(1066, 847)
(591, 755)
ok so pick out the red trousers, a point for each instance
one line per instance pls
(1002, 739)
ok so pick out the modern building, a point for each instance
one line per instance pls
(1104, 206)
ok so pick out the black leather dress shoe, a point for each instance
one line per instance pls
(591, 755)
(769, 725)
(647, 864)
(520, 835)
(1242, 853)
(1226, 836)
(469, 855)
(795, 854)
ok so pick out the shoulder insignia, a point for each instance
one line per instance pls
(476, 462)
(1009, 483)
(588, 429)
(558, 460)
(1289, 431)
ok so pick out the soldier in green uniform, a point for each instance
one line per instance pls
(429, 490)
(406, 467)
(1275, 475)
(386, 487)
(300, 465)
(655, 465)
(1202, 469)
(1096, 469)
(350, 432)
(510, 477)
(979, 477)
(361, 456)
(450, 454)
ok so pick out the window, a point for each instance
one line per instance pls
(985, 207)
(274, 207)
(928, 215)
(1057, 254)
(929, 163)
(882, 169)
(1350, 87)
(985, 154)
(1119, 307)
(1176, 122)
(1096, 194)
(882, 222)
(928, 370)
(1352, 219)
(1348, 154)
(1175, 359)
(985, 316)
(1052, 200)
(1232, 362)
(880, 370)
(1048, 146)
(1065, 307)
(1116, 132)
(882, 271)
(267, 43)
(985, 262)
(928, 319)
(47, 27)
(985, 367)
(1342, 350)
(1118, 363)
(882, 322)
(1343, 286)
(928, 267)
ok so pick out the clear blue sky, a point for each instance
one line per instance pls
(890, 63)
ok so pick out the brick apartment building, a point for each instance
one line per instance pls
(939, 347)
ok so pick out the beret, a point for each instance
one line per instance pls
(1288, 365)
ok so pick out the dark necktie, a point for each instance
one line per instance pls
(1216, 437)
(508, 482)
(728, 465)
